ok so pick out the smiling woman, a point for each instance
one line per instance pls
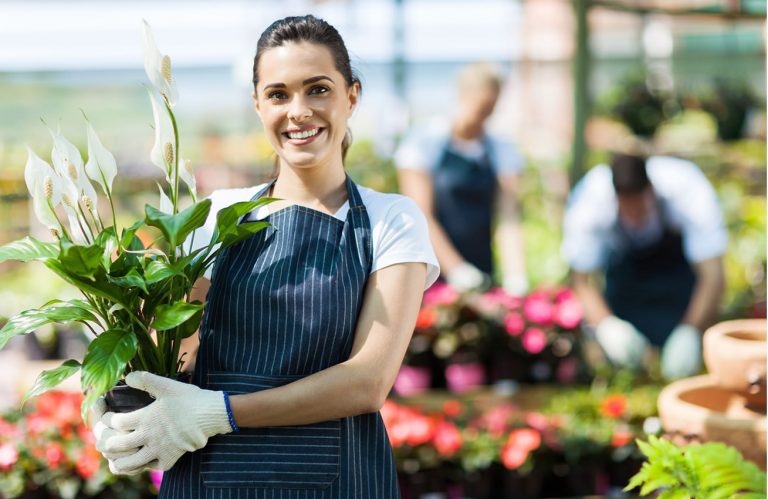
(306, 323)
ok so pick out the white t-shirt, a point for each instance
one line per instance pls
(689, 202)
(423, 149)
(399, 230)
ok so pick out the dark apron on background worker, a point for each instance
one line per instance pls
(284, 304)
(464, 198)
(650, 287)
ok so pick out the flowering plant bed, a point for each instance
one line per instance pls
(466, 340)
(47, 452)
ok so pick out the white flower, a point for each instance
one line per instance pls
(166, 205)
(44, 186)
(101, 164)
(158, 68)
(69, 165)
(185, 174)
(165, 142)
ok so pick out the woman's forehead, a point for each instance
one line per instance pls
(293, 63)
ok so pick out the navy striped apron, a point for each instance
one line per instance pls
(283, 304)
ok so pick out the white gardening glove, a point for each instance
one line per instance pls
(516, 284)
(466, 277)
(102, 432)
(180, 420)
(681, 354)
(623, 344)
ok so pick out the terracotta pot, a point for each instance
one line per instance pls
(734, 352)
(696, 410)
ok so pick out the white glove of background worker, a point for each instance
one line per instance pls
(516, 284)
(623, 344)
(681, 354)
(466, 277)
(180, 420)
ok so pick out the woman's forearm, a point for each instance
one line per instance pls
(338, 391)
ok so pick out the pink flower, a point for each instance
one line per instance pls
(534, 340)
(440, 294)
(514, 323)
(447, 439)
(524, 438)
(538, 308)
(566, 370)
(411, 380)
(462, 377)
(537, 421)
(568, 313)
(8, 456)
(513, 457)
(157, 478)
(497, 418)
(54, 455)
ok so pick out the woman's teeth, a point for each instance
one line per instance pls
(303, 135)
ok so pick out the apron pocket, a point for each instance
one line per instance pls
(301, 457)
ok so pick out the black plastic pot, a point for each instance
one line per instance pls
(123, 398)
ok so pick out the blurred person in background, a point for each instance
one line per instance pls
(465, 180)
(655, 230)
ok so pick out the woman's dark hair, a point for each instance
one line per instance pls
(309, 29)
(629, 174)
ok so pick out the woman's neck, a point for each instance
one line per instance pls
(317, 187)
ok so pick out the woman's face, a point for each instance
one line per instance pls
(304, 103)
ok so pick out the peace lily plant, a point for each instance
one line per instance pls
(136, 299)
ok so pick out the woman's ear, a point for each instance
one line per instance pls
(353, 94)
(255, 102)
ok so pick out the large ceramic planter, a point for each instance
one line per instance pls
(698, 410)
(734, 352)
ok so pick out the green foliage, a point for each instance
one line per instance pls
(711, 470)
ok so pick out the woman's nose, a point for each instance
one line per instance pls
(299, 110)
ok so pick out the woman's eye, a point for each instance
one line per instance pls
(276, 95)
(318, 90)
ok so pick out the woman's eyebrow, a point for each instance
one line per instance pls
(305, 82)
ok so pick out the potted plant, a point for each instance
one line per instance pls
(136, 297)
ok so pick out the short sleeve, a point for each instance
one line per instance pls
(693, 206)
(402, 236)
(505, 157)
(587, 221)
(418, 151)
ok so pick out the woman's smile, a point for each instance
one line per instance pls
(302, 135)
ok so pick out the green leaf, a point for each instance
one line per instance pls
(28, 249)
(47, 380)
(29, 320)
(104, 363)
(128, 238)
(177, 227)
(226, 218)
(240, 232)
(170, 316)
(130, 280)
(188, 327)
(159, 270)
(107, 241)
(80, 260)
(101, 288)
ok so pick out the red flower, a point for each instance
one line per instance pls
(513, 457)
(514, 323)
(88, 463)
(613, 406)
(524, 438)
(497, 418)
(426, 318)
(622, 436)
(538, 308)
(9, 430)
(452, 408)
(54, 454)
(534, 340)
(537, 421)
(447, 439)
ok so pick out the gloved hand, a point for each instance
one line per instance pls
(516, 284)
(681, 354)
(623, 344)
(466, 277)
(102, 433)
(180, 420)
